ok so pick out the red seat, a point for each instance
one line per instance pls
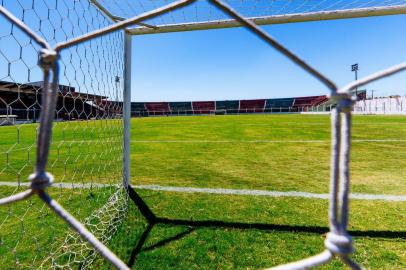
(203, 107)
(157, 108)
(253, 105)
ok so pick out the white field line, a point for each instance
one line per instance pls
(240, 141)
(262, 141)
(250, 192)
(229, 141)
(223, 191)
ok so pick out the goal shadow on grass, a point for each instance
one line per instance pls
(192, 225)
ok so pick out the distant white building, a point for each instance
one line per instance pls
(387, 105)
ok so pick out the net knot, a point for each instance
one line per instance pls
(40, 181)
(344, 102)
(47, 58)
(339, 244)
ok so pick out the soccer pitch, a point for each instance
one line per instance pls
(205, 229)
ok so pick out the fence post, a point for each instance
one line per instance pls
(127, 109)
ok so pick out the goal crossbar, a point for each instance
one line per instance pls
(273, 19)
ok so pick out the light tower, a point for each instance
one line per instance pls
(354, 68)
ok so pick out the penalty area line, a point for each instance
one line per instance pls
(263, 141)
(222, 191)
(250, 192)
(231, 141)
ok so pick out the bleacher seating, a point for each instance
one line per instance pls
(138, 109)
(181, 107)
(274, 105)
(231, 106)
(22, 100)
(279, 104)
(252, 105)
(138, 106)
(319, 100)
(303, 103)
(157, 108)
(203, 107)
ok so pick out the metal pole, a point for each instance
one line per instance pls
(354, 68)
(127, 109)
(356, 89)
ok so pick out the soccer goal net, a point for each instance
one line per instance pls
(65, 107)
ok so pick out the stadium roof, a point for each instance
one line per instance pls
(204, 15)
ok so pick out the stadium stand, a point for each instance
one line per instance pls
(304, 103)
(203, 107)
(279, 105)
(157, 108)
(319, 100)
(252, 106)
(138, 109)
(24, 101)
(230, 106)
(276, 105)
(20, 100)
(181, 107)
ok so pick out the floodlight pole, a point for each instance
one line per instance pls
(127, 109)
(372, 91)
(354, 68)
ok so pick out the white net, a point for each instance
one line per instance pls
(87, 143)
(203, 12)
(103, 222)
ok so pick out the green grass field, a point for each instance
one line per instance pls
(254, 152)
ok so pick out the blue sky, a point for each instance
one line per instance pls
(235, 64)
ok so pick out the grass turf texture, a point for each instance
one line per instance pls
(225, 152)
(237, 160)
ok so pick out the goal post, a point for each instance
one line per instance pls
(127, 109)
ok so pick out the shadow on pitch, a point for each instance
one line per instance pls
(194, 224)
